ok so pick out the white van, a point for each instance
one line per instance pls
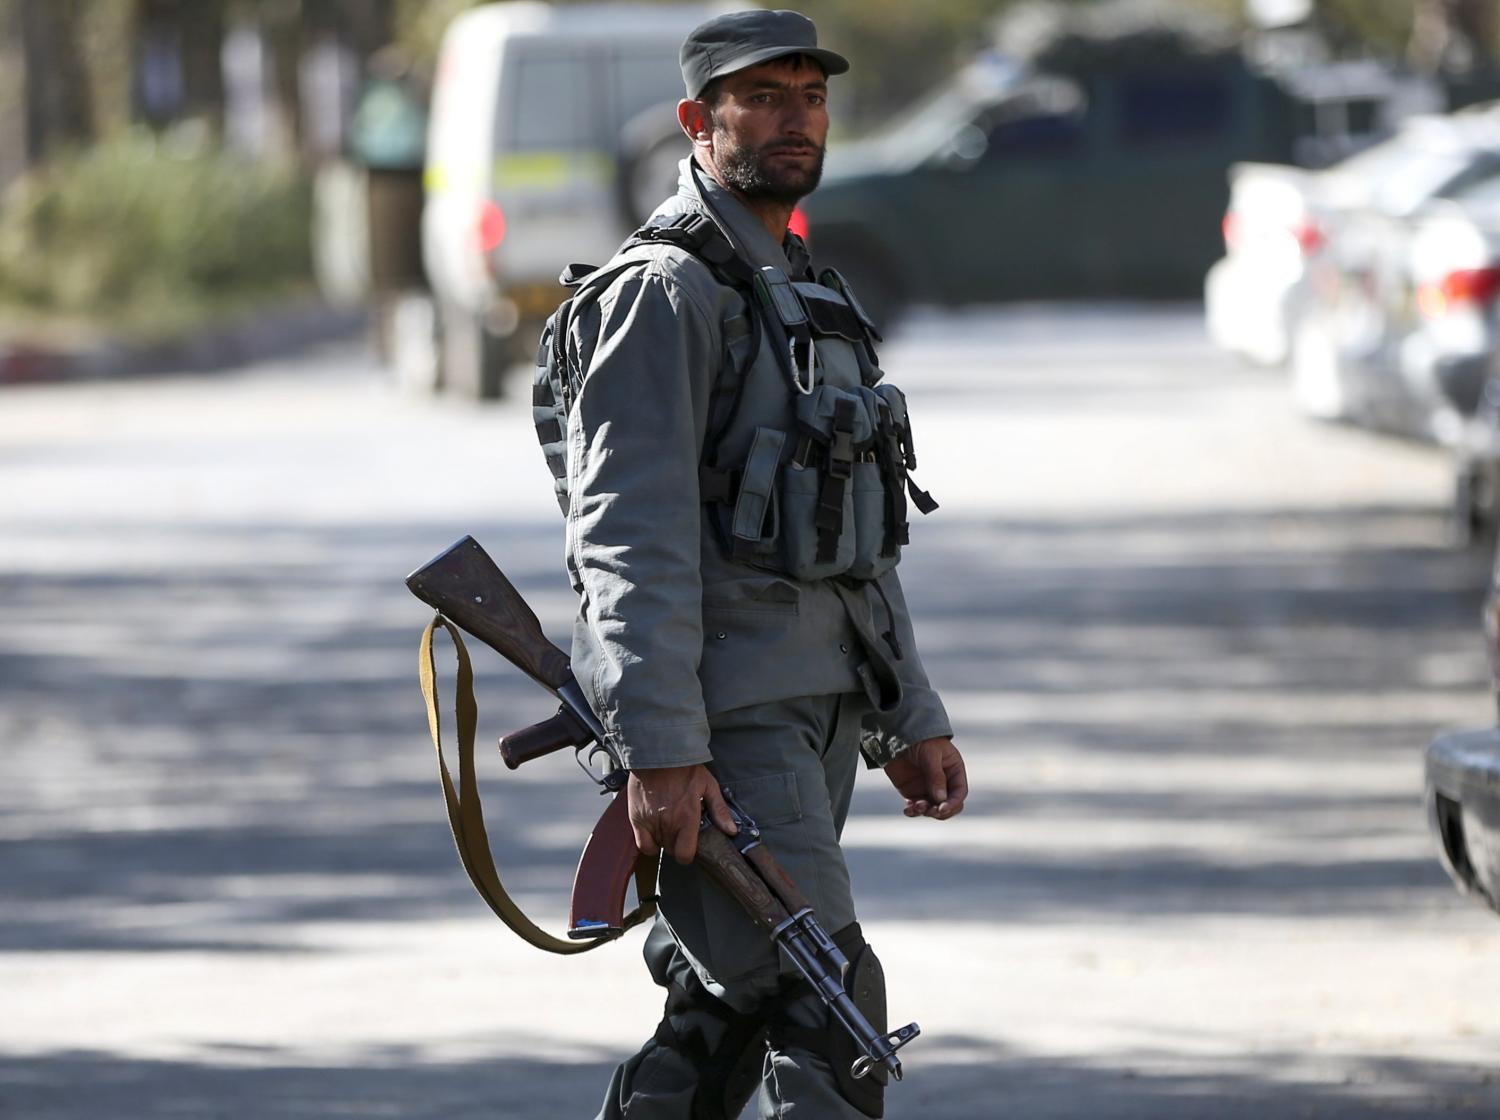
(552, 134)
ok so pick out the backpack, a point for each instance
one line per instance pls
(556, 383)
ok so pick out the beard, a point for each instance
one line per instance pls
(748, 172)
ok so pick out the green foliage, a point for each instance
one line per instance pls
(899, 50)
(418, 25)
(152, 232)
(1384, 25)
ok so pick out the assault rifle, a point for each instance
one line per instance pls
(467, 589)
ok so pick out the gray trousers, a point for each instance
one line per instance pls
(791, 766)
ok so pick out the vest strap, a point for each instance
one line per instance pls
(784, 310)
(919, 497)
(574, 274)
(699, 235)
(838, 467)
(888, 455)
(757, 485)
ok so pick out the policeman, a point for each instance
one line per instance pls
(737, 497)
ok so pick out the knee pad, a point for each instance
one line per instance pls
(865, 983)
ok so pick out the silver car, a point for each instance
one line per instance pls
(1463, 788)
(1371, 333)
(1253, 295)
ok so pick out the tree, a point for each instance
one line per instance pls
(13, 156)
(58, 107)
(1452, 36)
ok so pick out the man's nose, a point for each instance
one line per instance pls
(796, 120)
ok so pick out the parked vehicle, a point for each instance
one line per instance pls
(1463, 787)
(550, 126)
(1281, 217)
(1253, 296)
(1092, 160)
(1364, 349)
(1455, 355)
(1012, 183)
(1396, 321)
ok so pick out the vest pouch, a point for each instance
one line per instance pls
(904, 448)
(755, 524)
(879, 492)
(895, 400)
(876, 551)
(817, 487)
(828, 410)
(802, 500)
(829, 315)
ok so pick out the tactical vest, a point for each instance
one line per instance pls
(807, 458)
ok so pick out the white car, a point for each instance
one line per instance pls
(1450, 361)
(1351, 351)
(1252, 295)
(1287, 230)
(1453, 260)
(1463, 786)
(549, 126)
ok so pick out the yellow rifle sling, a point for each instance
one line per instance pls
(466, 816)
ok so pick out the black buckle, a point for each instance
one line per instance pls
(718, 486)
(841, 454)
(841, 450)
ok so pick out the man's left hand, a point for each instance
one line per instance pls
(931, 776)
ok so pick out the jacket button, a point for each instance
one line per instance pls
(721, 635)
(843, 647)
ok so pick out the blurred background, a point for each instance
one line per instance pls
(165, 165)
(1197, 306)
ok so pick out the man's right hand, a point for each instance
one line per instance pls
(666, 805)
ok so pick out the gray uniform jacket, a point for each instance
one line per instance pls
(670, 629)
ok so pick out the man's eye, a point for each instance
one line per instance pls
(817, 99)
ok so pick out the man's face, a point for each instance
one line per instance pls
(769, 130)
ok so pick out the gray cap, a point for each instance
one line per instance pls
(742, 39)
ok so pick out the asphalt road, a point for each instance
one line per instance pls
(1194, 647)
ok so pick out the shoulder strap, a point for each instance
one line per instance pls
(701, 236)
(466, 817)
(554, 386)
(696, 233)
(767, 289)
(586, 286)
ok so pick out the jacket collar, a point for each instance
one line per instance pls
(697, 190)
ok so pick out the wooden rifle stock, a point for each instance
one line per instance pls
(467, 586)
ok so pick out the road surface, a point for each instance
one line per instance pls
(1193, 645)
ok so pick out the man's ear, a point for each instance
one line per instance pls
(693, 118)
